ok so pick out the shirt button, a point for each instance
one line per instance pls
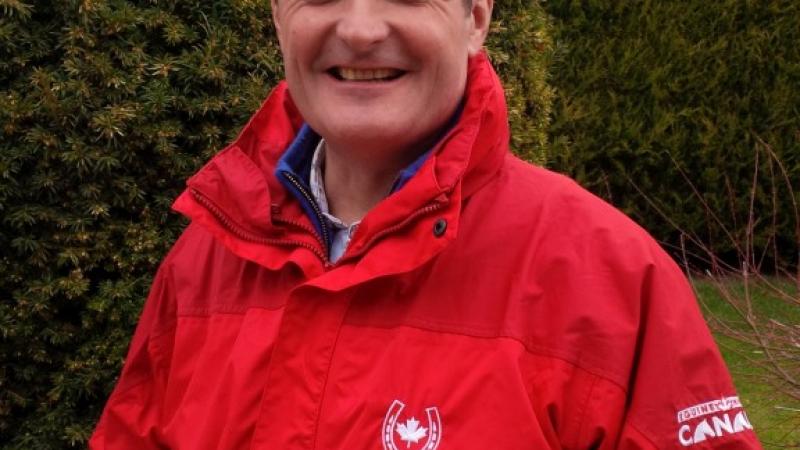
(439, 227)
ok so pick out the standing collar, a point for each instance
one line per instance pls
(237, 199)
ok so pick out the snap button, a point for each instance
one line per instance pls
(439, 227)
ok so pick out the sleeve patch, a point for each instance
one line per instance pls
(712, 419)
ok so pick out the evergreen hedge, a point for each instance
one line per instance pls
(647, 89)
(106, 107)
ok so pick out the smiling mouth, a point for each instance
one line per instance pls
(351, 74)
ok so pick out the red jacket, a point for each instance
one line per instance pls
(488, 304)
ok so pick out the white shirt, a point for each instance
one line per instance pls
(340, 231)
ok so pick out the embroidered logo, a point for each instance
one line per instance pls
(410, 431)
(710, 420)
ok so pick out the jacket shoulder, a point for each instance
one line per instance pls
(550, 209)
(587, 285)
(208, 278)
(571, 261)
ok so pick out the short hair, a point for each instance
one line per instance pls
(467, 4)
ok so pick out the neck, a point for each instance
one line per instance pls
(357, 177)
(354, 185)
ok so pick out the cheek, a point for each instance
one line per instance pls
(445, 49)
(302, 40)
(296, 46)
(450, 72)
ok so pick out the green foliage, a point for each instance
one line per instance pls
(520, 47)
(647, 89)
(106, 107)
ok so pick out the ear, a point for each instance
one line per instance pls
(480, 17)
(275, 20)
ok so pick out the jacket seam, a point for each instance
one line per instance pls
(532, 349)
(584, 412)
(230, 311)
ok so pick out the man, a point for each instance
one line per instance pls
(369, 267)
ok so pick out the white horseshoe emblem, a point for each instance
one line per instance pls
(409, 431)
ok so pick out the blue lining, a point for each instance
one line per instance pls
(296, 161)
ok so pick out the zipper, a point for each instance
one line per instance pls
(245, 235)
(325, 238)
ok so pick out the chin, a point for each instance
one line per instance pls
(368, 133)
(367, 126)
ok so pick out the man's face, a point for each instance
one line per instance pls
(384, 74)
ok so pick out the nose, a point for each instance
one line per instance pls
(362, 24)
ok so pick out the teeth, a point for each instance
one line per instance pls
(366, 74)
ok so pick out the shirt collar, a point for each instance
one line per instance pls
(317, 185)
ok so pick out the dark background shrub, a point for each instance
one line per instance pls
(647, 89)
(106, 107)
(520, 47)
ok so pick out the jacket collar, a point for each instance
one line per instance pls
(237, 198)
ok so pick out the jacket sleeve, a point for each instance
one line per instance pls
(679, 394)
(131, 418)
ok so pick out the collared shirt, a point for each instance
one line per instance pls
(340, 231)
